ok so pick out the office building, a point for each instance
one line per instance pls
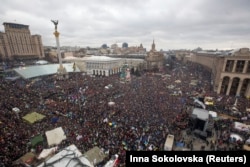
(17, 43)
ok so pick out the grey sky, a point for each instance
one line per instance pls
(174, 24)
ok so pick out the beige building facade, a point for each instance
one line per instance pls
(230, 73)
(154, 59)
(103, 65)
(17, 43)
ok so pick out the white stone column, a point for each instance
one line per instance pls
(247, 93)
(239, 87)
(245, 66)
(224, 65)
(229, 86)
(234, 67)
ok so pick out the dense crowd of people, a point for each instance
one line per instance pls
(140, 117)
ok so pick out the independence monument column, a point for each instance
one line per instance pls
(61, 71)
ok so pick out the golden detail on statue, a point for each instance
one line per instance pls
(56, 33)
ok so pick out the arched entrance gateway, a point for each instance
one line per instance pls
(244, 87)
(224, 85)
(234, 86)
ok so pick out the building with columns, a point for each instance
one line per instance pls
(235, 74)
(230, 71)
(17, 43)
(102, 65)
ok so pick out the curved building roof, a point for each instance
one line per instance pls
(100, 58)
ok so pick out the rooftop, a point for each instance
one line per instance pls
(201, 113)
(41, 70)
(100, 58)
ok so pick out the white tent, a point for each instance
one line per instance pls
(241, 127)
(69, 156)
(16, 110)
(55, 136)
(236, 136)
(111, 103)
(95, 155)
(46, 152)
(213, 114)
(112, 162)
(177, 81)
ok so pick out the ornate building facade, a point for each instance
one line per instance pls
(230, 73)
(154, 59)
(17, 43)
(102, 65)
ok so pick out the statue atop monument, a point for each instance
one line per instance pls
(55, 23)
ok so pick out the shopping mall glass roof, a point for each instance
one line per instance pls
(41, 70)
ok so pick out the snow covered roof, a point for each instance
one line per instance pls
(69, 156)
(201, 113)
(41, 70)
(101, 58)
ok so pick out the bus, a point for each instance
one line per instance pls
(168, 146)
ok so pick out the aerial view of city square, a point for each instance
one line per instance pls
(85, 82)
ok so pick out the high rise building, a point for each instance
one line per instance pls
(17, 43)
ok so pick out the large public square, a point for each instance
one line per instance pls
(142, 113)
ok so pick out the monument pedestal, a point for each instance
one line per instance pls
(62, 73)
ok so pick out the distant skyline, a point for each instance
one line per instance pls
(173, 24)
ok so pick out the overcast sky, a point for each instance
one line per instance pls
(173, 24)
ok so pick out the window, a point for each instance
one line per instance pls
(229, 66)
(248, 67)
(240, 66)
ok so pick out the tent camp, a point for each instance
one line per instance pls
(36, 140)
(111, 103)
(47, 152)
(55, 136)
(235, 137)
(194, 82)
(33, 117)
(16, 110)
(213, 114)
(69, 156)
(241, 127)
(177, 81)
(95, 155)
(27, 158)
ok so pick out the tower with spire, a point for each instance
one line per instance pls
(154, 59)
(153, 46)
